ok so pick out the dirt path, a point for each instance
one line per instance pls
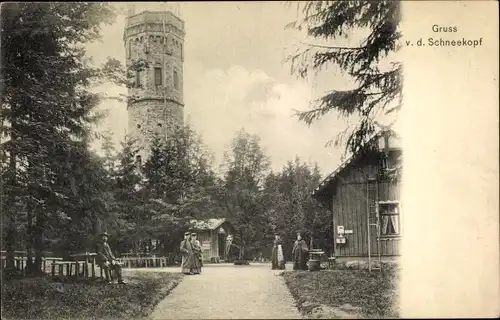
(229, 292)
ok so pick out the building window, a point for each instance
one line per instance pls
(389, 219)
(384, 162)
(158, 76)
(138, 126)
(159, 125)
(130, 48)
(176, 80)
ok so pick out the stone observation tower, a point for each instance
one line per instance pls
(156, 105)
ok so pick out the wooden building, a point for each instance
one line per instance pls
(213, 235)
(364, 199)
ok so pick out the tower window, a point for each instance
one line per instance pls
(176, 80)
(159, 125)
(130, 48)
(158, 76)
(138, 161)
(137, 78)
(138, 126)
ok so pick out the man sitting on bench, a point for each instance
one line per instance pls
(106, 260)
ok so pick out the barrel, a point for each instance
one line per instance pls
(314, 265)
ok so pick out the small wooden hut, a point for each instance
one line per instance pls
(214, 235)
(365, 201)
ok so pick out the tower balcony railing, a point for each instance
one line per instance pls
(146, 17)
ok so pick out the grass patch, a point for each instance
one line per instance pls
(43, 298)
(355, 292)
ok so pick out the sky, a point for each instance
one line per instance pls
(235, 76)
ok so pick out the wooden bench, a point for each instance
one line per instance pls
(61, 265)
(50, 259)
(86, 259)
(78, 267)
(21, 262)
(138, 262)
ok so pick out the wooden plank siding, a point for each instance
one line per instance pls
(209, 243)
(215, 243)
(205, 242)
(209, 240)
(350, 205)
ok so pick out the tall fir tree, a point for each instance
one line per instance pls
(246, 167)
(46, 106)
(378, 80)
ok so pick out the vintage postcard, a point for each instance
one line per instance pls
(249, 160)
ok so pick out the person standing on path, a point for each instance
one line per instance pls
(187, 266)
(299, 253)
(106, 259)
(277, 260)
(197, 250)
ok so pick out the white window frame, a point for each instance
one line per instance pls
(400, 219)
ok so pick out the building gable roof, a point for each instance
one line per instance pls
(207, 224)
(331, 177)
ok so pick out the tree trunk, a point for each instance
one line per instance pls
(9, 245)
(29, 226)
(11, 231)
(29, 242)
(38, 241)
(242, 250)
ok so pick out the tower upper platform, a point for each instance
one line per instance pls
(153, 21)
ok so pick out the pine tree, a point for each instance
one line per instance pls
(179, 186)
(109, 152)
(378, 88)
(290, 206)
(127, 216)
(46, 106)
(246, 166)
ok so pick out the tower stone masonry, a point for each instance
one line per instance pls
(156, 106)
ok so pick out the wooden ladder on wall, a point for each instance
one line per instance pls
(373, 220)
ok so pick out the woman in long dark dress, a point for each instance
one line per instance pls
(299, 253)
(188, 264)
(277, 258)
(197, 252)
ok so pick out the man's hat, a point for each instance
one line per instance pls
(193, 234)
(105, 233)
(187, 233)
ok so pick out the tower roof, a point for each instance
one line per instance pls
(154, 17)
(133, 22)
(137, 8)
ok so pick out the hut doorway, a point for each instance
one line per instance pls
(213, 234)
(221, 238)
